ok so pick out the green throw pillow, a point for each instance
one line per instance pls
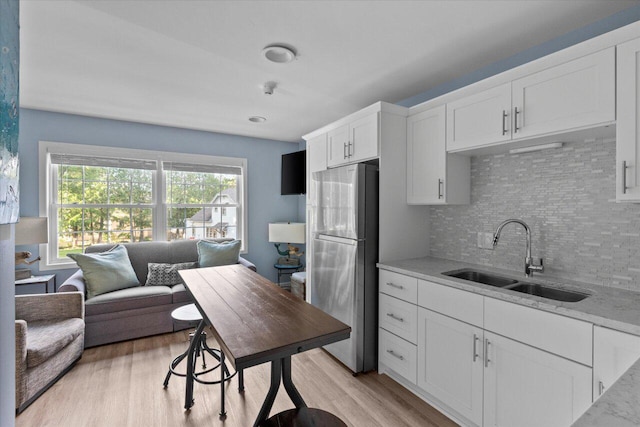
(212, 254)
(106, 271)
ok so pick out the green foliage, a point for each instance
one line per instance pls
(103, 204)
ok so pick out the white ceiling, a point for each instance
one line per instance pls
(198, 64)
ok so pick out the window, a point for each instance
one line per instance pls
(123, 195)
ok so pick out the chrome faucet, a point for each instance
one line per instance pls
(529, 266)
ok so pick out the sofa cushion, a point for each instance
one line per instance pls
(128, 299)
(142, 253)
(106, 271)
(46, 338)
(180, 294)
(163, 274)
(212, 254)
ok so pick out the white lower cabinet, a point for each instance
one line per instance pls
(524, 386)
(397, 354)
(492, 363)
(450, 362)
(613, 353)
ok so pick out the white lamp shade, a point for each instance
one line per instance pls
(283, 232)
(31, 231)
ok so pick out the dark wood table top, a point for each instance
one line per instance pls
(253, 319)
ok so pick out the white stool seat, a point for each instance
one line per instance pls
(187, 313)
(300, 276)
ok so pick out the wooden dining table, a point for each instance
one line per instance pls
(254, 322)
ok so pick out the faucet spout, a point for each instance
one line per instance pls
(529, 266)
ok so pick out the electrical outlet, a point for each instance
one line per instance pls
(485, 240)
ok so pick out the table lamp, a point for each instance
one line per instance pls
(287, 232)
(29, 231)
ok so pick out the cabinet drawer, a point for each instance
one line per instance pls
(557, 334)
(398, 317)
(397, 354)
(399, 286)
(461, 305)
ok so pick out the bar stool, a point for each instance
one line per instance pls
(190, 314)
(303, 417)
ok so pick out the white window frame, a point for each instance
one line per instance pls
(48, 182)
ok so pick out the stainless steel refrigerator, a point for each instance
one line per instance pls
(345, 251)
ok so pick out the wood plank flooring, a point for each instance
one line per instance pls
(120, 385)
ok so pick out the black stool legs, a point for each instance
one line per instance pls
(198, 347)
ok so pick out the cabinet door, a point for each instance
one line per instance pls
(363, 142)
(613, 353)
(337, 146)
(479, 119)
(316, 161)
(628, 122)
(426, 157)
(577, 94)
(433, 176)
(450, 363)
(317, 153)
(524, 386)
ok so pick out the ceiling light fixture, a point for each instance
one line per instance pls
(257, 119)
(535, 148)
(279, 54)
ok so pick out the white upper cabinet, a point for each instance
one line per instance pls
(317, 153)
(354, 142)
(571, 96)
(613, 353)
(627, 137)
(433, 176)
(576, 94)
(479, 119)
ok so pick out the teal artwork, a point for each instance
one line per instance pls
(9, 63)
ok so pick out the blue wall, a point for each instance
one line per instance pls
(265, 204)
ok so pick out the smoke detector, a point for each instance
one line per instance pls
(268, 88)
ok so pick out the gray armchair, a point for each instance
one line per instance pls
(49, 340)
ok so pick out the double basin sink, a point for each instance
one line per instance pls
(536, 289)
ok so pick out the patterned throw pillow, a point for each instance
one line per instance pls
(166, 274)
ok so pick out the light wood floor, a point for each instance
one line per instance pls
(120, 385)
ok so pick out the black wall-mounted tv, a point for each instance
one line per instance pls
(294, 173)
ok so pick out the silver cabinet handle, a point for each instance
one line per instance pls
(624, 177)
(393, 285)
(349, 151)
(504, 122)
(475, 347)
(487, 343)
(440, 188)
(515, 127)
(344, 151)
(394, 317)
(397, 356)
(601, 388)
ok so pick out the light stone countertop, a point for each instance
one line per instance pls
(609, 307)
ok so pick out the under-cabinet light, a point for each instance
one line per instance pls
(535, 148)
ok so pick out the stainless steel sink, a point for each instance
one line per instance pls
(548, 292)
(481, 277)
(536, 289)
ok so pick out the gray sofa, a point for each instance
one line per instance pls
(139, 311)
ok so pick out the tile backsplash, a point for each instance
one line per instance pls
(566, 196)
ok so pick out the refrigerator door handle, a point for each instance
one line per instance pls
(342, 240)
